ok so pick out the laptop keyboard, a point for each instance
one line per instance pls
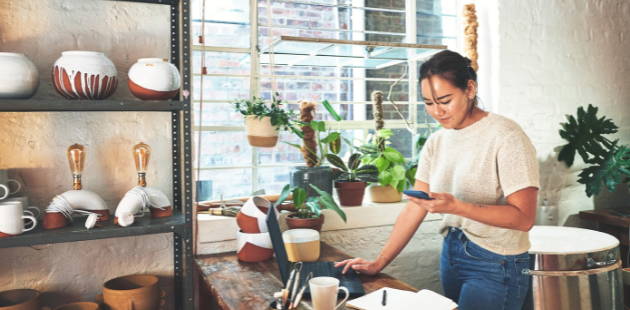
(319, 269)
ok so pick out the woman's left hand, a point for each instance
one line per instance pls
(443, 203)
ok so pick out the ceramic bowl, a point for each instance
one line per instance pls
(253, 248)
(252, 217)
(22, 299)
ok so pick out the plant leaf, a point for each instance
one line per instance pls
(329, 203)
(335, 146)
(367, 178)
(344, 176)
(332, 136)
(384, 178)
(336, 161)
(368, 169)
(393, 155)
(321, 126)
(331, 110)
(293, 144)
(382, 163)
(607, 173)
(398, 172)
(299, 195)
(283, 195)
(354, 161)
(314, 207)
(368, 148)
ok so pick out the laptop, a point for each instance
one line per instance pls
(320, 269)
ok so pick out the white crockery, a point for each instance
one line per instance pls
(4, 184)
(138, 200)
(262, 240)
(324, 293)
(155, 74)
(250, 208)
(97, 79)
(34, 211)
(12, 218)
(19, 78)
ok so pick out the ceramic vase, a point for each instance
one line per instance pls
(137, 292)
(19, 78)
(253, 248)
(153, 79)
(21, 299)
(321, 177)
(84, 75)
(384, 194)
(260, 132)
(251, 219)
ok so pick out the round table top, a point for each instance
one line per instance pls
(569, 240)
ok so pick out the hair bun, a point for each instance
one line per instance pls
(468, 61)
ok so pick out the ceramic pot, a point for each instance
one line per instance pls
(260, 132)
(22, 299)
(321, 177)
(84, 75)
(138, 199)
(154, 79)
(19, 78)
(79, 306)
(253, 248)
(294, 222)
(350, 193)
(137, 292)
(77, 200)
(251, 219)
(384, 194)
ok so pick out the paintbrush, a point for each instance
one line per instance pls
(298, 298)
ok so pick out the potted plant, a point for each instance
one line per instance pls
(263, 123)
(317, 142)
(352, 180)
(309, 207)
(608, 161)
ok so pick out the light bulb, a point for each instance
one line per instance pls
(76, 157)
(141, 153)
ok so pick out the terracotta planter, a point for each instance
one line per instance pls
(84, 75)
(153, 79)
(137, 292)
(79, 306)
(384, 194)
(260, 132)
(252, 217)
(19, 78)
(295, 222)
(253, 248)
(350, 193)
(23, 299)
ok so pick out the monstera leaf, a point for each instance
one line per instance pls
(608, 172)
(584, 135)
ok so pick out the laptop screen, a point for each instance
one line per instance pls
(278, 243)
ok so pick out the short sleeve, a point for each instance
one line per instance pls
(517, 164)
(424, 163)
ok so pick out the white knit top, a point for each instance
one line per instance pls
(481, 164)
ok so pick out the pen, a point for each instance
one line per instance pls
(384, 298)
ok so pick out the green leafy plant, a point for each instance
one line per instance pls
(310, 207)
(390, 163)
(280, 118)
(353, 171)
(325, 141)
(608, 161)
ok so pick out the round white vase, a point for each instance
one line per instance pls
(84, 75)
(19, 78)
(154, 79)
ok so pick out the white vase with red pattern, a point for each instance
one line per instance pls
(154, 79)
(84, 75)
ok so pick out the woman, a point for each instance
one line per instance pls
(482, 172)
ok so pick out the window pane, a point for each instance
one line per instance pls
(223, 63)
(402, 141)
(217, 114)
(222, 35)
(235, 11)
(438, 7)
(229, 182)
(221, 88)
(224, 148)
(308, 89)
(272, 180)
(282, 153)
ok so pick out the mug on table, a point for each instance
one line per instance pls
(4, 184)
(12, 218)
(324, 293)
(32, 211)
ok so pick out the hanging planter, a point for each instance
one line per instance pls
(260, 132)
(263, 122)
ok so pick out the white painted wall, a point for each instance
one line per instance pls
(32, 145)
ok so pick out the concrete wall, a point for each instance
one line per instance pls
(32, 145)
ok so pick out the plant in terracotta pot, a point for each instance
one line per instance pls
(317, 142)
(263, 122)
(309, 207)
(353, 179)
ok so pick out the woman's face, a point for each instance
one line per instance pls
(452, 108)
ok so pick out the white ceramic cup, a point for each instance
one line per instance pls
(324, 293)
(12, 218)
(4, 184)
(33, 211)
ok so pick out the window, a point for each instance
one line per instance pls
(230, 167)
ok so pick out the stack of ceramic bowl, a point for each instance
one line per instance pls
(253, 241)
(137, 292)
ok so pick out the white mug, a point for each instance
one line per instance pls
(33, 211)
(324, 293)
(4, 184)
(12, 218)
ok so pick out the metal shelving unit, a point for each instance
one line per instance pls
(181, 223)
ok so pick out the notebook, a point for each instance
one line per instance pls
(399, 299)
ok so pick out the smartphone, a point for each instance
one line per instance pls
(417, 194)
(620, 213)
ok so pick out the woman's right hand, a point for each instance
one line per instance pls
(362, 265)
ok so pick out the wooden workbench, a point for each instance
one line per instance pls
(226, 283)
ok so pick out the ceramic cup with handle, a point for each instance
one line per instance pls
(4, 184)
(33, 211)
(12, 219)
(324, 293)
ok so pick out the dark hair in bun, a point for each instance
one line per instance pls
(452, 67)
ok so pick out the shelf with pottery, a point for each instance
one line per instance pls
(20, 105)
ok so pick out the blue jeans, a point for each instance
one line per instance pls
(477, 279)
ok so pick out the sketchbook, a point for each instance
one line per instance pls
(399, 299)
